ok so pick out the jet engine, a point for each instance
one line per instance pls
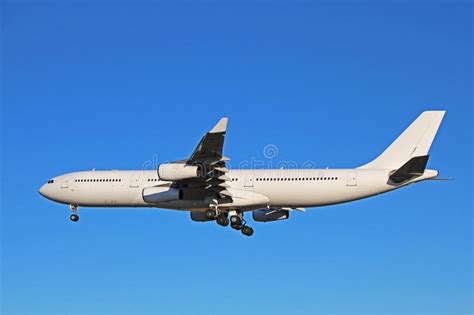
(268, 215)
(161, 194)
(177, 171)
(199, 216)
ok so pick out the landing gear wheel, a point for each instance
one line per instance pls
(236, 227)
(235, 220)
(247, 230)
(211, 214)
(222, 220)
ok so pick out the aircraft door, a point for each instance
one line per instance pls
(134, 181)
(65, 182)
(352, 178)
(248, 180)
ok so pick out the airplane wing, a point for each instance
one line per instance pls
(210, 147)
(212, 163)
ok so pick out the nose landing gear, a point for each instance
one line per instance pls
(73, 217)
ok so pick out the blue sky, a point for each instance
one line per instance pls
(87, 85)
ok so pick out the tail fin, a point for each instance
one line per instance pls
(413, 142)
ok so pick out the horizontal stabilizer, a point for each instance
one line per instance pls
(413, 168)
(440, 178)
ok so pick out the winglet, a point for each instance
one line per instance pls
(221, 126)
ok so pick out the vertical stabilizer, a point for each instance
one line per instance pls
(413, 142)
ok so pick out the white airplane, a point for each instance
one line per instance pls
(204, 186)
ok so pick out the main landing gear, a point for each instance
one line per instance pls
(220, 217)
(73, 217)
(236, 220)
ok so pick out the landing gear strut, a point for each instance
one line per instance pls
(73, 217)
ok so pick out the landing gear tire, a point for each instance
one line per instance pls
(247, 230)
(211, 214)
(222, 220)
(235, 220)
(236, 227)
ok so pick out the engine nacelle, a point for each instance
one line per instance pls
(177, 171)
(161, 194)
(199, 216)
(268, 215)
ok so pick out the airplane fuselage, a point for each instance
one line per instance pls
(262, 188)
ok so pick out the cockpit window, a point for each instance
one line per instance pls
(50, 181)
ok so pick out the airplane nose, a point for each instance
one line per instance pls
(42, 191)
